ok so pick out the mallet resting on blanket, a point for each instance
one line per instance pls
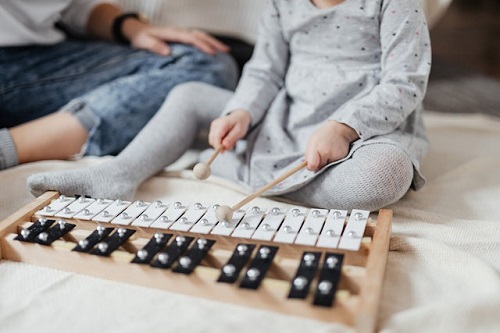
(225, 213)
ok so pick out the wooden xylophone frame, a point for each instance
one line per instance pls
(356, 301)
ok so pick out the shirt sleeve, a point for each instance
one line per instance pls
(405, 68)
(263, 76)
(76, 15)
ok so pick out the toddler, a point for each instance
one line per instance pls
(338, 84)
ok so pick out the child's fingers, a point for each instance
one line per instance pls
(231, 137)
(227, 130)
(218, 131)
(313, 159)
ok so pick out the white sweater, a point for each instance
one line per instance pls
(27, 22)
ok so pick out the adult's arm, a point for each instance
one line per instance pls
(141, 35)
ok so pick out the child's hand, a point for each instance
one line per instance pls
(329, 143)
(227, 130)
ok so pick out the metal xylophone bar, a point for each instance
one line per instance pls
(296, 225)
(44, 232)
(301, 283)
(30, 234)
(240, 257)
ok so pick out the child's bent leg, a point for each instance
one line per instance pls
(188, 109)
(375, 176)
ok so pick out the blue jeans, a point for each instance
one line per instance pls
(113, 90)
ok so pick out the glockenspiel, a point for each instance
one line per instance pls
(325, 264)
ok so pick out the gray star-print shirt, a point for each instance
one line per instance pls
(364, 63)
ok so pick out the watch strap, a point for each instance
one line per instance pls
(116, 28)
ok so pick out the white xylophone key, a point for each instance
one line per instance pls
(190, 217)
(110, 212)
(291, 225)
(207, 222)
(332, 230)
(93, 209)
(150, 215)
(74, 208)
(270, 224)
(131, 213)
(354, 230)
(173, 212)
(249, 223)
(55, 206)
(312, 226)
(226, 228)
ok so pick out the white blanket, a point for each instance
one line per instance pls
(443, 271)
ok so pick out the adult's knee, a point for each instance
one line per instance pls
(227, 71)
(220, 69)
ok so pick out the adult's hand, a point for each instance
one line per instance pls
(156, 38)
(143, 35)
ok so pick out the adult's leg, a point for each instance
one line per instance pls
(375, 176)
(189, 108)
(124, 106)
(57, 136)
(113, 91)
(38, 80)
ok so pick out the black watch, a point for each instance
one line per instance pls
(116, 28)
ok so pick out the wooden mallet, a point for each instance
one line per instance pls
(202, 170)
(225, 213)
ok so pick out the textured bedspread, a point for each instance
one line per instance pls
(443, 271)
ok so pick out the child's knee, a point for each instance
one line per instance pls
(375, 178)
(188, 92)
(386, 181)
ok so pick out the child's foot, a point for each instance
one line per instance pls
(102, 181)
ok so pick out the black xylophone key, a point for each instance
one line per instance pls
(259, 267)
(112, 242)
(305, 273)
(231, 270)
(166, 258)
(87, 244)
(328, 279)
(188, 262)
(155, 244)
(31, 233)
(58, 230)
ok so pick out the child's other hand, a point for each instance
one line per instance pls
(227, 130)
(329, 143)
